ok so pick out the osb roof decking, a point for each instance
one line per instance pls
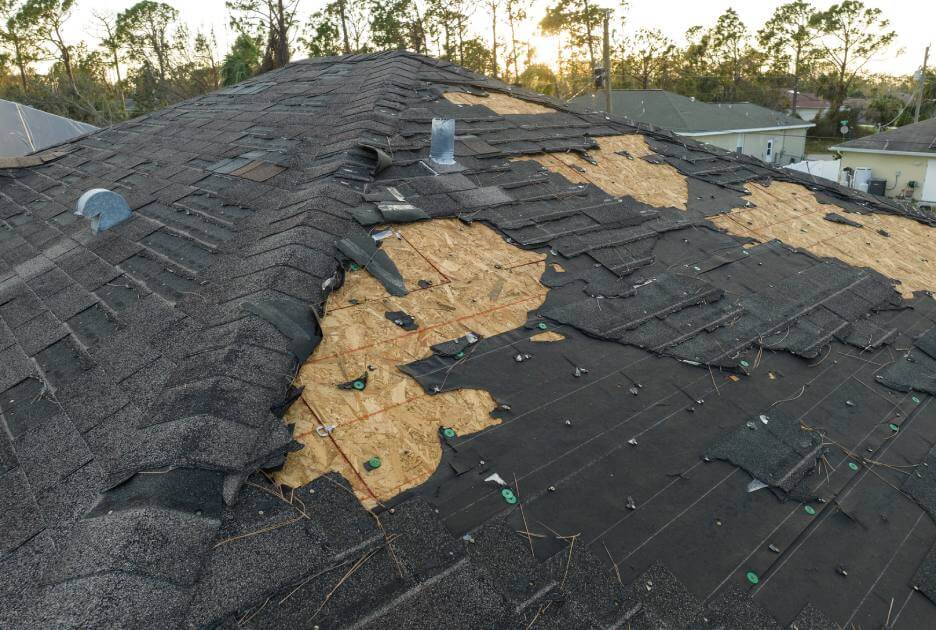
(700, 397)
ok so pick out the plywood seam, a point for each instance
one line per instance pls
(457, 320)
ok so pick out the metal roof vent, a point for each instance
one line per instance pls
(104, 207)
(442, 147)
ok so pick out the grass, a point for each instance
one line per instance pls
(821, 145)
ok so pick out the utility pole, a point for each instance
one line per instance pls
(916, 114)
(606, 61)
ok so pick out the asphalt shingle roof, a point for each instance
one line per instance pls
(916, 138)
(143, 373)
(686, 115)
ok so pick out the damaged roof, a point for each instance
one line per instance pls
(729, 426)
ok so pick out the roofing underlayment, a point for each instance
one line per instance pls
(593, 375)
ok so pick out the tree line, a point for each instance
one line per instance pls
(145, 58)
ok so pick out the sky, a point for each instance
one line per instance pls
(912, 19)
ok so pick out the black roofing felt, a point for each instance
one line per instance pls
(144, 372)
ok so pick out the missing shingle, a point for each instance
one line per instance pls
(792, 213)
(395, 418)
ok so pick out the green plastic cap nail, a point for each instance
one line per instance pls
(358, 384)
(809, 510)
(853, 465)
(542, 326)
(744, 363)
(449, 432)
(374, 462)
(509, 496)
(893, 427)
(752, 577)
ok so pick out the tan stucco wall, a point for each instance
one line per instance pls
(789, 145)
(896, 169)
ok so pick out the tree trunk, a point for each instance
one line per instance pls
(344, 26)
(20, 64)
(796, 73)
(588, 28)
(283, 35)
(120, 92)
(494, 40)
(513, 43)
(66, 60)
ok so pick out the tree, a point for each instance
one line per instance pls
(272, 21)
(341, 28)
(853, 34)
(650, 55)
(397, 24)
(46, 18)
(18, 38)
(539, 78)
(242, 62)
(884, 109)
(144, 29)
(114, 48)
(516, 14)
(577, 18)
(789, 38)
(727, 40)
(447, 22)
(493, 6)
(322, 38)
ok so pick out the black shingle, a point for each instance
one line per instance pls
(51, 450)
(39, 332)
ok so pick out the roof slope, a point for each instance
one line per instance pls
(687, 115)
(807, 100)
(916, 138)
(26, 130)
(144, 373)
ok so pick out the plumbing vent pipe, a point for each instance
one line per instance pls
(442, 147)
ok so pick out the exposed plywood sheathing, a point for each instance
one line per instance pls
(480, 284)
(549, 335)
(499, 103)
(792, 214)
(658, 185)
(655, 184)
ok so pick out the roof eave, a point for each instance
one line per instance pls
(846, 149)
(751, 130)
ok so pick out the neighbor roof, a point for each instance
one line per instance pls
(918, 138)
(687, 422)
(688, 116)
(25, 130)
(806, 100)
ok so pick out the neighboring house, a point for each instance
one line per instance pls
(742, 127)
(905, 157)
(808, 105)
(590, 375)
(25, 130)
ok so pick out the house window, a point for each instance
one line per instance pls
(768, 156)
(739, 143)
